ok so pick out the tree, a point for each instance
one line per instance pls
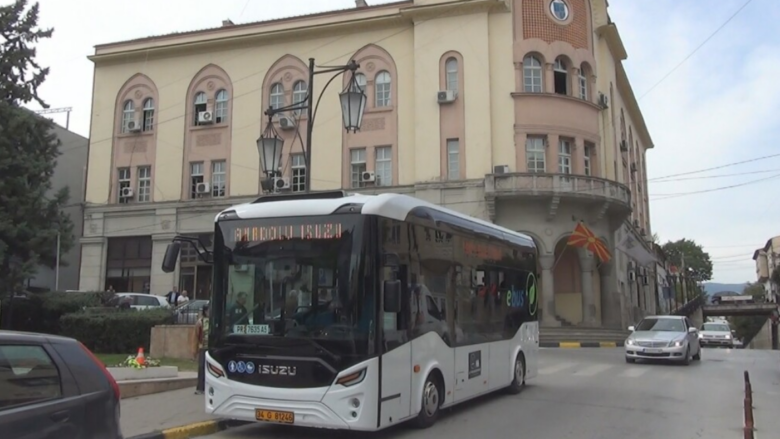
(697, 262)
(30, 215)
(748, 326)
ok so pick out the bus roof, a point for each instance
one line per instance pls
(387, 205)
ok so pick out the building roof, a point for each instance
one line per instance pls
(388, 205)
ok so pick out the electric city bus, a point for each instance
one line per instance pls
(359, 312)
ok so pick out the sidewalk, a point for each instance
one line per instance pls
(149, 413)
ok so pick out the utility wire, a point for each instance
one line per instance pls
(727, 165)
(681, 194)
(765, 171)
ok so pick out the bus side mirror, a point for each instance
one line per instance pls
(392, 296)
(171, 256)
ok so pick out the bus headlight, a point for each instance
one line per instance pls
(352, 379)
(214, 370)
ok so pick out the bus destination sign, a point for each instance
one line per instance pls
(332, 230)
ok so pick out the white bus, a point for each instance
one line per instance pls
(359, 312)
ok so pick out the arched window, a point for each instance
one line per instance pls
(128, 115)
(382, 85)
(583, 81)
(200, 105)
(148, 114)
(451, 72)
(561, 76)
(276, 98)
(361, 82)
(532, 74)
(300, 89)
(221, 107)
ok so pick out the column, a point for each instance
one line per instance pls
(548, 291)
(610, 298)
(161, 282)
(549, 78)
(551, 155)
(588, 300)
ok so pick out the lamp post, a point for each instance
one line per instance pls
(353, 104)
(270, 145)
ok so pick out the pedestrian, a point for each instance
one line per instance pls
(202, 334)
(173, 296)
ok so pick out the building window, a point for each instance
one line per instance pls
(361, 82)
(298, 172)
(196, 177)
(588, 152)
(383, 169)
(383, 84)
(144, 184)
(300, 90)
(453, 159)
(561, 77)
(148, 114)
(559, 9)
(357, 166)
(221, 107)
(583, 85)
(532, 74)
(128, 116)
(564, 155)
(534, 153)
(451, 74)
(201, 105)
(125, 185)
(218, 178)
(276, 99)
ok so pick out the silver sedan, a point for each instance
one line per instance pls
(670, 338)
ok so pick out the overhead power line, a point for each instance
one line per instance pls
(727, 165)
(681, 194)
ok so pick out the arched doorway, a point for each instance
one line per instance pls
(567, 281)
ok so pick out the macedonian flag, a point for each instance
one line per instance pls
(583, 237)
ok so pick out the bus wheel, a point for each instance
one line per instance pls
(519, 376)
(431, 401)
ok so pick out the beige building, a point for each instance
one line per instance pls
(538, 128)
(767, 259)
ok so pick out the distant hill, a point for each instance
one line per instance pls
(712, 288)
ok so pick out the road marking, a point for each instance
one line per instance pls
(569, 344)
(593, 370)
(635, 372)
(608, 344)
(555, 368)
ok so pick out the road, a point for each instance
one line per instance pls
(594, 394)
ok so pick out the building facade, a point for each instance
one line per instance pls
(767, 260)
(537, 129)
(69, 172)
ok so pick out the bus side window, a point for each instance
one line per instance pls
(404, 317)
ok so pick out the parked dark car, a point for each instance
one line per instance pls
(54, 387)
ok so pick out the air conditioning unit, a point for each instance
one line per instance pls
(603, 100)
(205, 117)
(632, 276)
(367, 177)
(134, 126)
(281, 183)
(623, 146)
(446, 96)
(501, 169)
(126, 192)
(286, 123)
(203, 188)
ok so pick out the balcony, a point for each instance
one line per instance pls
(606, 196)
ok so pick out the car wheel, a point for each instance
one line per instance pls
(630, 360)
(697, 357)
(518, 382)
(687, 359)
(431, 402)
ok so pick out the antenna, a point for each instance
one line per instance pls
(66, 110)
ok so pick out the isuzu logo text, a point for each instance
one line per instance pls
(267, 369)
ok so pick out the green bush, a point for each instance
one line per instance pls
(41, 312)
(114, 332)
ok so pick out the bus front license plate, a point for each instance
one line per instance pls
(275, 416)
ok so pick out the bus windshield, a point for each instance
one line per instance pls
(297, 279)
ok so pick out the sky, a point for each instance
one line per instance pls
(715, 108)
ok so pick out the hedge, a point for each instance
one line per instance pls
(113, 332)
(42, 312)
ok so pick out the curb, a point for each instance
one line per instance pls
(584, 344)
(192, 430)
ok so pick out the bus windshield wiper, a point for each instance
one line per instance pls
(322, 349)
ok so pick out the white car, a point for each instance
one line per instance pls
(670, 338)
(141, 300)
(716, 334)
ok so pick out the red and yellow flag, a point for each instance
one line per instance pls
(583, 237)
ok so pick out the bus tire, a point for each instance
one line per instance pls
(518, 382)
(431, 402)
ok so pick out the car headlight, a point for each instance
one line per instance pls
(728, 337)
(677, 343)
(629, 342)
(701, 336)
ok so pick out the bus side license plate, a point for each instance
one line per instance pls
(275, 416)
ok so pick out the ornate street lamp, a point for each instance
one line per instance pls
(270, 146)
(353, 104)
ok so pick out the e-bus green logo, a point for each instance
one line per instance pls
(530, 285)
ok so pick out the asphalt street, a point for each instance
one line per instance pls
(595, 394)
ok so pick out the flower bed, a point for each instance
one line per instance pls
(132, 361)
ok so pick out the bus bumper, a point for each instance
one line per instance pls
(333, 407)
